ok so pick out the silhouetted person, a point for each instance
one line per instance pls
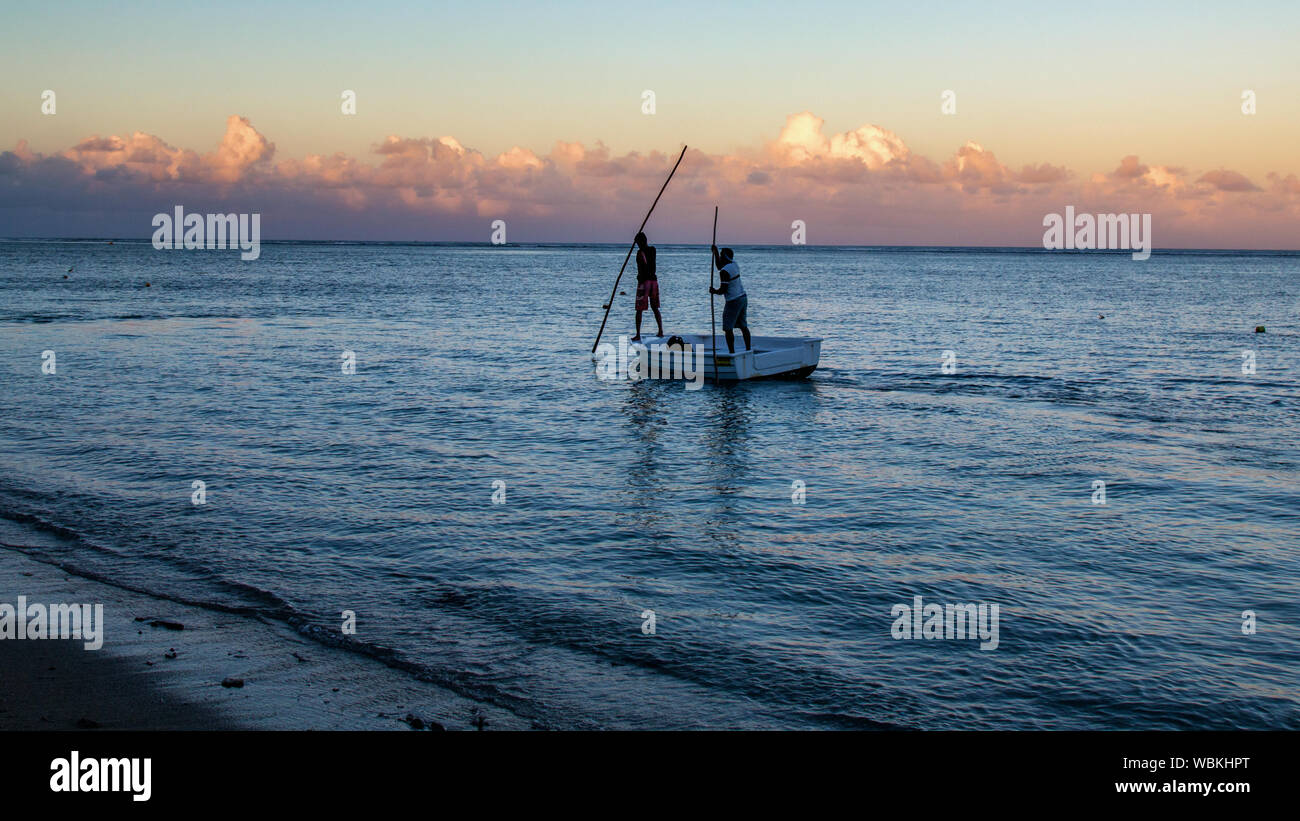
(647, 284)
(733, 312)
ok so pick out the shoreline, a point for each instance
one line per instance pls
(162, 667)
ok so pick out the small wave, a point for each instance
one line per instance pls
(265, 605)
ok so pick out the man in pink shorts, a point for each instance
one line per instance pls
(647, 285)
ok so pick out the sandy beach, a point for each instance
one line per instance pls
(163, 664)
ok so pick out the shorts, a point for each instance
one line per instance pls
(733, 314)
(647, 295)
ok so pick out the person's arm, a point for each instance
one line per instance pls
(722, 288)
(717, 260)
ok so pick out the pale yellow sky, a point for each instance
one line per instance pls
(1033, 84)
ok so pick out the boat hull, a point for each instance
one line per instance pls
(771, 357)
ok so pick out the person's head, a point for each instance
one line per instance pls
(641, 240)
(727, 254)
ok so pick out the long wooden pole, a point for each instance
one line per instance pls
(612, 293)
(713, 321)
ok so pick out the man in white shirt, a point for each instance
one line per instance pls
(733, 312)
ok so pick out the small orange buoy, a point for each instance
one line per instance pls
(146, 285)
(1259, 329)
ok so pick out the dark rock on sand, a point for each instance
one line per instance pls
(231, 681)
(415, 721)
(157, 622)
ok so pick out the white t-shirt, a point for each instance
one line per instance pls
(732, 280)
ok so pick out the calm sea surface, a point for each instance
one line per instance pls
(372, 492)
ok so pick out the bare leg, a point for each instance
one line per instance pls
(638, 327)
(744, 329)
(731, 341)
(659, 319)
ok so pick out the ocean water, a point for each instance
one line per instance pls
(372, 492)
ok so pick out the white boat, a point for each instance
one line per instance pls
(790, 357)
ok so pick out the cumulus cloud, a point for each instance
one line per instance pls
(241, 149)
(802, 140)
(974, 168)
(1042, 173)
(140, 154)
(1225, 180)
(1131, 170)
(860, 186)
(1284, 185)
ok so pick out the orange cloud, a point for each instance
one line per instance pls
(802, 140)
(860, 186)
(241, 149)
(1225, 180)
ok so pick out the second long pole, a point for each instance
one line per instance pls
(713, 321)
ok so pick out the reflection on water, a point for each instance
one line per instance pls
(726, 437)
(645, 416)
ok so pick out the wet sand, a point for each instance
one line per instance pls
(149, 676)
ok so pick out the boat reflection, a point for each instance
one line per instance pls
(646, 411)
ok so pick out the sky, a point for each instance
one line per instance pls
(829, 113)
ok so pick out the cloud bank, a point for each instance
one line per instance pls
(864, 186)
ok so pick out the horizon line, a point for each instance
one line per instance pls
(477, 243)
